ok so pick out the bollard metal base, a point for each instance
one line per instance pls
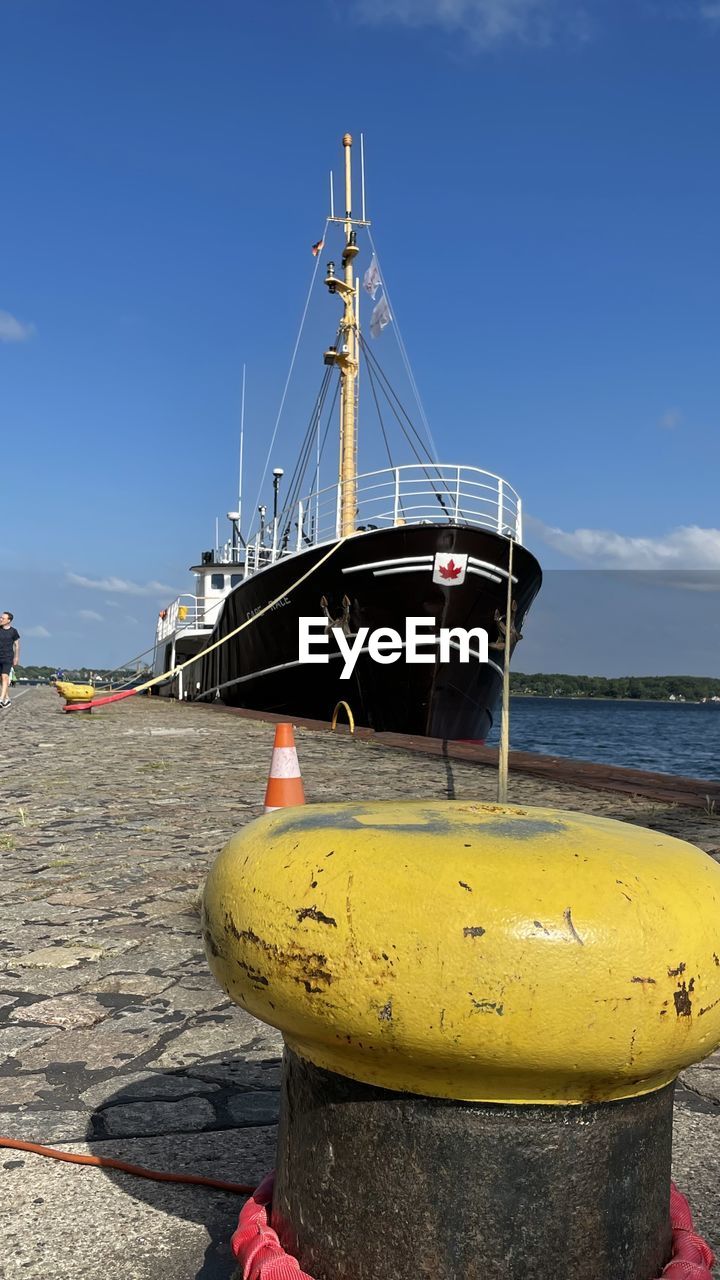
(372, 1183)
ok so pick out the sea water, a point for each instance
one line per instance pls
(663, 737)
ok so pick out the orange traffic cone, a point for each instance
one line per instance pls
(285, 786)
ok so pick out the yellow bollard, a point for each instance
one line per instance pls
(75, 693)
(484, 1009)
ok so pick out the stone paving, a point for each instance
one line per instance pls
(114, 1038)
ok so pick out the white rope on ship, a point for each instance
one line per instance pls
(174, 671)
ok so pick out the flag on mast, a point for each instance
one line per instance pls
(315, 248)
(380, 317)
(372, 278)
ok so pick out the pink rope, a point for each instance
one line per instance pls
(258, 1251)
(255, 1245)
(692, 1258)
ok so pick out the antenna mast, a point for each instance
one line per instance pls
(242, 438)
(346, 355)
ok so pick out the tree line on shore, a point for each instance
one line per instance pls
(82, 674)
(540, 685)
(653, 688)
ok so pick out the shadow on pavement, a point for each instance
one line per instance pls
(215, 1118)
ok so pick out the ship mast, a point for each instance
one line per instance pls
(345, 356)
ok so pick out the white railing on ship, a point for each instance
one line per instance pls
(410, 494)
(186, 611)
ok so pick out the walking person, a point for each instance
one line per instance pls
(9, 654)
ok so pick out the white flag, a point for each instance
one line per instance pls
(380, 317)
(372, 279)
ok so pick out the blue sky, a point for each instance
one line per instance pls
(545, 194)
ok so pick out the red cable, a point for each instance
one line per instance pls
(100, 702)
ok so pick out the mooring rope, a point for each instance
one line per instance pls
(504, 750)
(173, 671)
(257, 1249)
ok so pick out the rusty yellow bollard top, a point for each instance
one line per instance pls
(75, 692)
(472, 951)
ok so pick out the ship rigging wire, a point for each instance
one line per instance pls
(314, 428)
(378, 381)
(287, 382)
(430, 451)
(301, 465)
(124, 667)
(408, 368)
(390, 395)
(371, 380)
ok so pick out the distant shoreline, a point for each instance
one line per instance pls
(665, 688)
(599, 697)
(693, 690)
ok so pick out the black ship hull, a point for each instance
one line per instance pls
(376, 579)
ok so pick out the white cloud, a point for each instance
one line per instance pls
(685, 10)
(671, 419)
(13, 330)
(490, 22)
(693, 580)
(688, 547)
(122, 586)
(36, 633)
(486, 22)
(89, 615)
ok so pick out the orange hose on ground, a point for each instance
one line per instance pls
(107, 1162)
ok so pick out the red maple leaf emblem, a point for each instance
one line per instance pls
(450, 570)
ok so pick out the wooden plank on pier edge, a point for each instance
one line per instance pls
(664, 788)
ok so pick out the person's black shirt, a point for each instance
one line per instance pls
(8, 636)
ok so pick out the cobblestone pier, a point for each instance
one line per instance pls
(114, 1038)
